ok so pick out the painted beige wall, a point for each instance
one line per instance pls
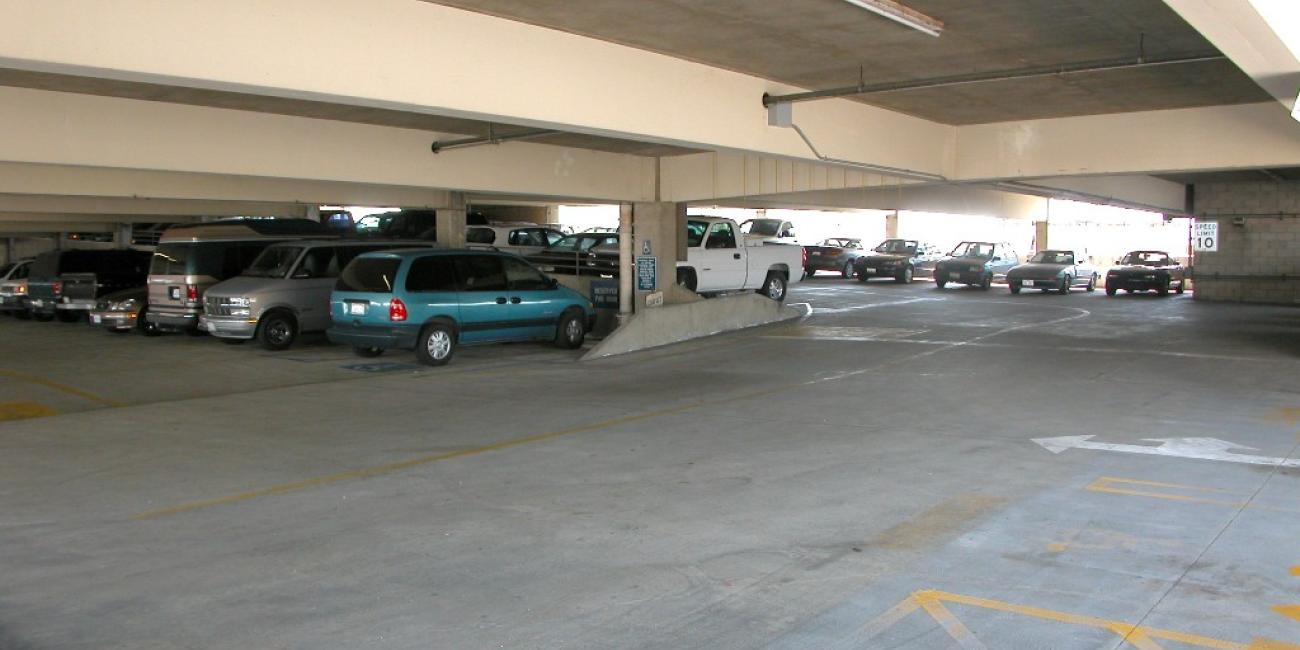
(69, 129)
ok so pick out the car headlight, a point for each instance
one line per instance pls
(123, 305)
(239, 301)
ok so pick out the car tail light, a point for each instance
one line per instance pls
(805, 256)
(397, 310)
(58, 288)
(192, 293)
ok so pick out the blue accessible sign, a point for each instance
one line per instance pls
(647, 274)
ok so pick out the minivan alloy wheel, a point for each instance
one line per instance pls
(438, 344)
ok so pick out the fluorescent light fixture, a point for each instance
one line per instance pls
(901, 14)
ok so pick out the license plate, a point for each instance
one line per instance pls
(1027, 283)
(954, 276)
(356, 309)
(174, 293)
(94, 318)
(816, 253)
(868, 270)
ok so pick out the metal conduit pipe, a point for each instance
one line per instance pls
(986, 77)
(879, 169)
(491, 138)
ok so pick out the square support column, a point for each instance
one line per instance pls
(660, 233)
(450, 224)
(1040, 236)
(891, 225)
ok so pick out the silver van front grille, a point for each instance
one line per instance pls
(216, 306)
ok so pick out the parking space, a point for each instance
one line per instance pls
(905, 467)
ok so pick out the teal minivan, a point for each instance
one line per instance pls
(431, 301)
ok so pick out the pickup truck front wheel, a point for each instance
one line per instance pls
(686, 279)
(774, 286)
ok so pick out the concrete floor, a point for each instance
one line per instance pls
(866, 478)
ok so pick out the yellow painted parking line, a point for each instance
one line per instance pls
(1290, 611)
(390, 468)
(1142, 637)
(1175, 492)
(41, 381)
(24, 410)
(954, 627)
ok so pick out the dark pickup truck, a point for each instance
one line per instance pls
(67, 283)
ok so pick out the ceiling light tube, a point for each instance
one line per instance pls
(901, 14)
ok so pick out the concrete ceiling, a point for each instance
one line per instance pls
(313, 109)
(821, 43)
(1236, 176)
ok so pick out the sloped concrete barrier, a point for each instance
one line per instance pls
(658, 326)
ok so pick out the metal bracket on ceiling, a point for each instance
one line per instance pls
(491, 138)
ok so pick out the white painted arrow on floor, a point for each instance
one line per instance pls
(1199, 448)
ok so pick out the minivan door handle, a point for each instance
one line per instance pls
(735, 256)
(514, 300)
(501, 300)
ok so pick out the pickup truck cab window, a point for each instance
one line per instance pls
(721, 236)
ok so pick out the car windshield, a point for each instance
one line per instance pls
(582, 243)
(695, 233)
(1140, 258)
(274, 262)
(973, 249)
(842, 243)
(761, 227)
(899, 246)
(1053, 257)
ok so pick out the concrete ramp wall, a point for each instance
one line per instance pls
(653, 327)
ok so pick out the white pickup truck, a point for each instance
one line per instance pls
(720, 258)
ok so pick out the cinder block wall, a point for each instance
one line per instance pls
(1258, 261)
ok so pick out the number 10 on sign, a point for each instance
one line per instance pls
(1205, 236)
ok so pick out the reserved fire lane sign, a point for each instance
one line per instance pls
(1205, 236)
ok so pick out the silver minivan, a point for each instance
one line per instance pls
(190, 259)
(284, 292)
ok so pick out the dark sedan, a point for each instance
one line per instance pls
(123, 311)
(1146, 271)
(835, 254)
(893, 258)
(588, 253)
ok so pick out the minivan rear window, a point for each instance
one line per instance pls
(369, 274)
(218, 259)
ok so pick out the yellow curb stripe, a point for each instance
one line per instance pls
(41, 381)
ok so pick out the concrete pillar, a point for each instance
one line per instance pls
(553, 215)
(11, 250)
(313, 213)
(450, 224)
(660, 233)
(626, 265)
(122, 235)
(1040, 236)
(891, 225)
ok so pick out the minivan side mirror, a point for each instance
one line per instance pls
(997, 258)
(555, 284)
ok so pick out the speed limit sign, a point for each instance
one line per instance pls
(1205, 236)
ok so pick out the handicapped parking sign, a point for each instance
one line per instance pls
(647, 274)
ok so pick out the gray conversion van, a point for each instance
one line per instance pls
(191, 258)
(285, 291)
